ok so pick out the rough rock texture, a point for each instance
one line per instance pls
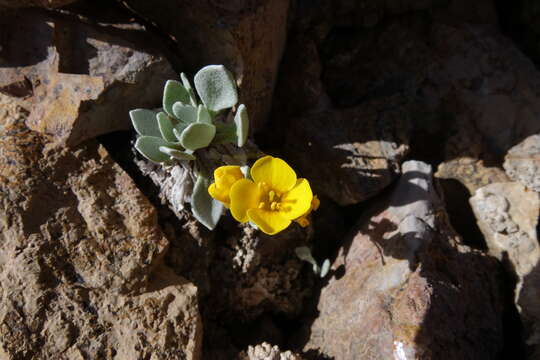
(508, 214)
(404, 287)
(32, 3)
(357, 151)
(246, 36)
(522, 163)
(79, 250)
(471, 93)
(266, 351)
(80, 77)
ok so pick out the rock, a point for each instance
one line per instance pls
(358, 151)
(81, 259)
(472, 94)
(369, 13)
(403, 285)
(247, 37)
(34, 3)
(82, 205)
(266, 351)
(80, 78)
(522, 162)
(507, 215)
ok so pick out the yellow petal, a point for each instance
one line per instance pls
(274, 172)
(296, 202)
(270, 222)
(226, 176)
(244, 196)
(219, 194)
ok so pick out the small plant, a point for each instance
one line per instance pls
(183, 126)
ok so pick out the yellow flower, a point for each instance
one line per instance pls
(303, 220)
(225, 177)
(273, 199)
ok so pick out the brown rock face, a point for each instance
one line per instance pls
(79, 247)
(522, 163)
(349, 155)
(32, 3)
(508, 214)
(245, 36)
(79, 79)
(407, 288)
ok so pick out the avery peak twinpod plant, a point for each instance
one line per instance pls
(192, 119)
(271, 198)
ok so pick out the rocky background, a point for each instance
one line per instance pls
(416, 121)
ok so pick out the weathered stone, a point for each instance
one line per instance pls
(34, 3)
(81, 78)
(522, 162)
(80, 251)
(404, 287)
(266, 351)
(245, 36)
(349, 155)
(508, 214)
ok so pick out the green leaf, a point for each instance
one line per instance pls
(149, 146)
(197, 136)
(203, 116)
(190, 90)
(204, 208)
(175, 153)
(174, 92)
(165, 124)
(185, 113)
(144, 121)
(242, 125)
(216, 87)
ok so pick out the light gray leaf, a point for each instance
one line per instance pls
(197, 136)
(216, 87)
(174, 92)
(242, 125)
(203, 116)
(204, 208)
(175, 153)
(186, 113)
(144, 121)
(187, 85)
(165, 124)
(149, 146)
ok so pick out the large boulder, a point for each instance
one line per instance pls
(81, 259)
(79, 78)
(403, 285)
(507, 214)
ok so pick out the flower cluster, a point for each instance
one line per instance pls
(271, 199)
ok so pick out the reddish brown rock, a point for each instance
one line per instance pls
(507, 214)
(404, 287)
(522, 162)
(80, 78)
(34, 3)
(80, 251)
(349, 155)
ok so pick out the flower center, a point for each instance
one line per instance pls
(269, 200)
